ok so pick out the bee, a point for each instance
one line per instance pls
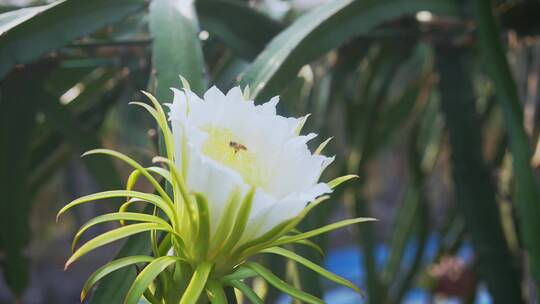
(237, 146)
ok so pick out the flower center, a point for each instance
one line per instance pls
(225, 148)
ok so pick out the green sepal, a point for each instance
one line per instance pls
(215, 292)
(282, 285)
(247, 291)
(306, 235)
(203, 231)
(321, 147)
(179, 183)
(267, 239)
(111, 236)
(241, 273)
(148, 296)
(339, 180)
(240, 222)
(136, 166)
(197, 283)
(312, 245)
(161, 119)
(120, 216)
(135, 174)
(146, 277)
(111, 267)
(309, 264)
(149, 198)
(226, 223)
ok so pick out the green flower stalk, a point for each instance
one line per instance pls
(239, 177)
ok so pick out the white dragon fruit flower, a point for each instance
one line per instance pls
(233, 144)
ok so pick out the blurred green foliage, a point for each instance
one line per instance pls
(430, 77)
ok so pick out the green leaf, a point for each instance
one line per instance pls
(56, 26)
(340, 180)
(247, 291)
(393, 119)
(176, 48)
(232, 21)
(197, 283)
(120, 216)
(323, 272)
(322, 29)
(19, 95)
(321, 230)
(527, 191)
(113, 235)
(146, 277)
(150, 198)
(282, 285)
(407, 219)
(13, 18)
(111, 267)
(215, 292)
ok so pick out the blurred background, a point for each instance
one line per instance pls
(433, 103)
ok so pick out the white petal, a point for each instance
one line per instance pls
(291, 172)
(269, 108)
(216, 182)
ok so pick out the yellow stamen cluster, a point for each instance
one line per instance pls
(225, 148)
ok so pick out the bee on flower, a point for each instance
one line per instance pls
(237, 147)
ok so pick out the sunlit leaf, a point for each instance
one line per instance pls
(527, 191)
(322, 29)
(56, 26)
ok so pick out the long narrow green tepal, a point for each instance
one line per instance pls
(283, 286)
(146, 277)
(197, 284)
(113, 235)
(112, 267)
(309, 264)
